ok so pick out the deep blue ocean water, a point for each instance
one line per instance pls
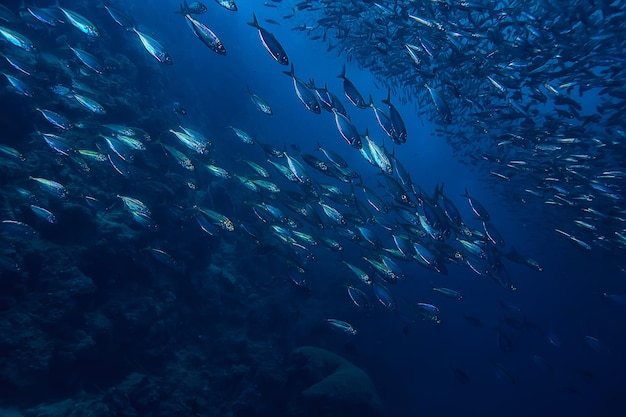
(411, 362)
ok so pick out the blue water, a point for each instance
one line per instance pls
(410, 361)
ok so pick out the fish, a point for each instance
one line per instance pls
(182, 159)
(20, 86)
(384, 297)
(90, 104)
(55, 119)
(398, 128)
(260, 103)
(440, 104)
(205, 34)
(19, 65)
(154, 48)
(80, 22)
(217, 218)
(228, 4)
(120, 18)
(270, 43)
(7, 15)
(43, 213)
(347, 130)
(351, 92)
(52, 187)
(17, 39)
(342, 325)
(43, 15)
(304, 93)
(195, 7)
(89, 60)
(245, 138)
(195, 142)
(478, 209)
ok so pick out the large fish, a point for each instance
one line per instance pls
(206, 35)
(351, 92)
(305, 94)
(347, 130)
(81, 23)
(398, 129)
(270, 43)
(17, 39)
(154, 48)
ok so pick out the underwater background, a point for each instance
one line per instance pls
(167, 247)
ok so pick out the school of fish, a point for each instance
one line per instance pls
(504, 84)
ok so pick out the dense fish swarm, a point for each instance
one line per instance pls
(170, 258)
(507, 82)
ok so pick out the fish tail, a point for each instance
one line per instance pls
(387, 101)
(255, 22)
(343, 72)
(291, 72)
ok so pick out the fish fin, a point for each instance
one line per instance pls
(343, 72)
(291, 72)
(255, 22)
(387, 101)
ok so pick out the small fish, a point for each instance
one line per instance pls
(52, 187)
(398, 128)
(227, 4)
(270, 43)
(217, 218)
(89, 60)
(245, 138)
(342, 325)
(90, 104)
(134, 204)
(180, 157)
(383, 295)
(428, 312)
(351, 92)
(206, 35)
(478, 209)
(154, 48)
(574, 240)
(449, 292)
(261, 104)
(43, 15)
(358, 297)
(190, 141)
(19, 85)
(347, 130)
(19, 65)
(17, 39)
(55, 118)
(195, 7)
(440, 104)
(80, 22)
(119, 17)
(43, 213)
(12, 153)
(597, 345)
(305, 94)
(7, 15)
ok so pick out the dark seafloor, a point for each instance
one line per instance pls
(110, 309)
